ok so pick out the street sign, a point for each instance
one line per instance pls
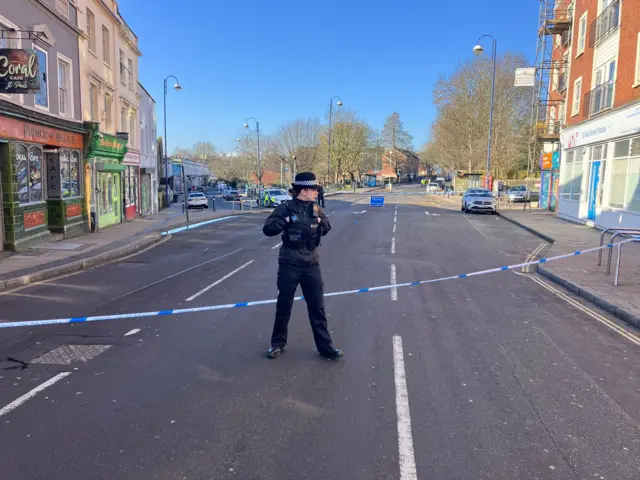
(376, 201)
(525, 77)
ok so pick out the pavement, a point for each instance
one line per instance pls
(583, 275)
(494, 377)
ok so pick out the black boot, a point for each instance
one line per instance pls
(274, 352)
(332, 353)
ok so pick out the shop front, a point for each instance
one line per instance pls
(40, 170)
(600, 171)
(131, 185)
(105, 155)
(549, 180)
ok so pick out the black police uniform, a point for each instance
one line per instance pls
(299, 264)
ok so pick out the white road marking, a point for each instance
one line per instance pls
(432, 214)
(395, 220)
(393, 245)
(474, 226)
(132, 332)
(358, 213)
(394, 291)
(206, 289)
(407, 458)
(394, 228)
(29, 395)
(276, 246)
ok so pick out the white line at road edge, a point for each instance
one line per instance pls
(206, 289)
(132, 332)
(276, 246)
(394, 229)
(407, 458)
(393, 245)
(29, 395)
(394, 291)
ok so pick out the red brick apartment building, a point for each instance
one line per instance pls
(594, 110)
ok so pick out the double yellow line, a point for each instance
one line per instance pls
(532, 256)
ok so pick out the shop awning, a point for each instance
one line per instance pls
(111, 167)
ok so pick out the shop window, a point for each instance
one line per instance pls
(572, 173)
(42, 96)
(632, 197)
(70, 173)
(625, 175)
(131, 186)
(28, 161)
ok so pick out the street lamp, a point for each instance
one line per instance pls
(478, 50)
(177, 88)
(338, 103)
(246, 125)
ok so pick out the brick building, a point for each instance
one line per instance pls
(598, 59)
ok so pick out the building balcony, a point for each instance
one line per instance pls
(606, 23)
(599, 99)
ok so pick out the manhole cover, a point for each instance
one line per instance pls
(69, 354)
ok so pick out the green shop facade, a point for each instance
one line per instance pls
(41, 184)
(104, 156)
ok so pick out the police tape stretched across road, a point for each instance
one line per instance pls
(57, 321)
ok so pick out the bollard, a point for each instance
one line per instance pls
(213, 204)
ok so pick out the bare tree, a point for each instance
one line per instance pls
(459, 134)
(297, 143)
(349, 144)
(394, 134)
(203, 152)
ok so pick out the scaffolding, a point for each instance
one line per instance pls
(549, 92)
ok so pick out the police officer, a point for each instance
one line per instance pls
(321, 195)
(302, 223)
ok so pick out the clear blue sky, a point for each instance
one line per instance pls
(281, 60)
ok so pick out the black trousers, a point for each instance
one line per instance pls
(310, 279)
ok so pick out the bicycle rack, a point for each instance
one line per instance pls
(615, 280)
(628, 232)
(604, 232)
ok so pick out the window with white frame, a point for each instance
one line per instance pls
(123, 73)
(42, 96)
(93, 103)
(572, 173)
(132, 128)
(91, 30)
(625, 175)
(130, 72)
(582, 34)
(106, 46)
(107, 112)
(65, 92)
(8, 39)
(637, 79)
(577, 92)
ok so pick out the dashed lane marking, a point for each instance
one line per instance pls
(393, 245)
(276, 246)
(132, 332)
(217, 282)
(407, 459)
(29, 395)
(394, 291)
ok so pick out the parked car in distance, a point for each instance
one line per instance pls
(275, 196)
(197, 200)
(478, 200)
(232, 195)
(433, 187)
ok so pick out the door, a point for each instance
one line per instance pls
(1, 218)
(594, 183)
(109, 203)
(146, 194)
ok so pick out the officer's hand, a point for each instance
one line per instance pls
(319, 220)
(287, 219)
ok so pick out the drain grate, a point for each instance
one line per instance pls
(70, 354)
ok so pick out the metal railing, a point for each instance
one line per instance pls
(606, 22)
(617, 276)
(626, 232)
(600, 98)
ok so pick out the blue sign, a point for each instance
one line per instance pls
(376, 202)
(555, 160)
(372, 182)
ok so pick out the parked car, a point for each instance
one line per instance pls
(517, 194)
(433, 187)
(232, 195)
(478, 200)
(197, 200)
(275, 196)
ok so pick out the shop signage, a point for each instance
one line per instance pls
(19, 71)
(546, 162)
(29, 132)
(112, 144)
(131, 158)
(74, 210)
(525, 77)
(34, 219)
(618, 124)
(53, 176)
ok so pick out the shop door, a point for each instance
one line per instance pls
(594, 182)
(146, 194)
(109, 202)
(1, 218)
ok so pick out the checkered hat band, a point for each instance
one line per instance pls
(306, 183)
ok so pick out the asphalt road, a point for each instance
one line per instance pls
(491, 377)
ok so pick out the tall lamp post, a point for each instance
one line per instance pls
(177, 88)
(246, 125)
(338, 103)
(478, 50)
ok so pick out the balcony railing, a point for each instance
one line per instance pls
(600, 98)
(606, 23)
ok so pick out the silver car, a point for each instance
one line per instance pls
(478, 200)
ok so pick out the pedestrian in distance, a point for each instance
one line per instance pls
(321, 195)
(302, 223)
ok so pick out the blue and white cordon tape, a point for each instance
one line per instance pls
(55, 321)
